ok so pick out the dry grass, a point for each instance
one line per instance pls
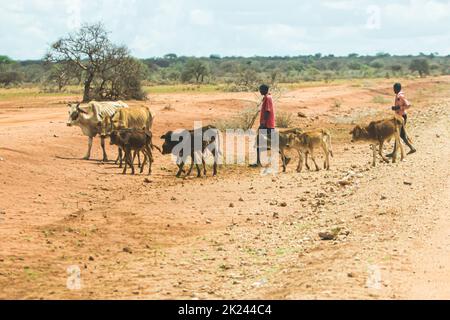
(337, 104)
(243, 120)
(284, 120)
(380, 100)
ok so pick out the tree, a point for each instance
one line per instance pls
(246, 81)
(4, 61)
(10, 77)
(376, 64)
(61, 75)
(123, 81)
(194, 68)
(355, 66)
(396, 67)
(91, 53)
(170, 56)
(420, 65)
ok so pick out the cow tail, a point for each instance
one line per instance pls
(150, 136)
(327, 136)
(156, 147)
(151, 118)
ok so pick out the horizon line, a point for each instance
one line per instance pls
(322, 55)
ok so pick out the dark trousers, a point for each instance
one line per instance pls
(266, 132)
(404, 136)
(403, 132)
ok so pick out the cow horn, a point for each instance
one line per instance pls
(80, 110)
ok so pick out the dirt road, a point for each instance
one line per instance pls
(71, 229)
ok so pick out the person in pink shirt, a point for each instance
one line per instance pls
(400, 108)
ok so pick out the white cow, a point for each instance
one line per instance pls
(89, 117)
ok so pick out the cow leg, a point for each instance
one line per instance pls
(126, 163)
(300, 162)
(283, 160)
(88, 154)
(380, 152)
(306, 161)
(139, 158)
(204, 166)
(145, 161)
(122, 157)
(402, 152)
(147, 157)
(130, 161)
(216, 160)
(150, 160)
(400, 145)
(327, 157)
(314, 160)
(191, 167)
(374, 150)
(397, 145)
(119, 157)
(180, 169)
(105, 156)
(199, 171)
(135, 153)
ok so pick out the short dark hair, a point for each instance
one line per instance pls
(398, 86)
(264, 89)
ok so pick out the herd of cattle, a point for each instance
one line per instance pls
(130, 129)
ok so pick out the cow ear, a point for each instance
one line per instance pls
(167, 135)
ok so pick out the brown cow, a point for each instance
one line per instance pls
(306, 143)
(134, 140)
(285, 138)
(377, 133)
(133, 118)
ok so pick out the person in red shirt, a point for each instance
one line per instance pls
(267, 118)
(266, 121)
(401, 105)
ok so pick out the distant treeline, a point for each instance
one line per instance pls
(241, 73)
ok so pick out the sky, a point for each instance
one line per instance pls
(152, 28)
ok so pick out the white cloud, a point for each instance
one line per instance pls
(341, 5)
(282, 31)
(236, 27)
(201, 17)
(419, 12)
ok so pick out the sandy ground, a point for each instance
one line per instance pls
(239, 235)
